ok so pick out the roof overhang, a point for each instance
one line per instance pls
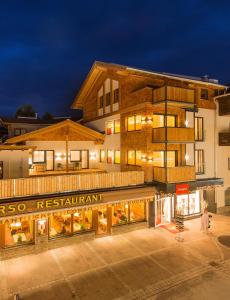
(99, 67)
(62, 131)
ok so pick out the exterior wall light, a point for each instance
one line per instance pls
(186, 123)
(150, 159)
(143, 158)
(92, 156)
(186, 157)
(146, 120)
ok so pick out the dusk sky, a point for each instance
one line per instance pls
(47, 47)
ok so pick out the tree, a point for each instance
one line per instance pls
(26, 110)
(47, 116)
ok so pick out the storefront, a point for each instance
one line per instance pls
(167, 207)
(36, 221)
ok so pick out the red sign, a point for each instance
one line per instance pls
(182, 189)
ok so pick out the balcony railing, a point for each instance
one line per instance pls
(173, 94)
(224, 139)
(176, 174)
(10, 188)
(173, 134)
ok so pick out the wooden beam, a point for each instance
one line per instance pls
(67, 153)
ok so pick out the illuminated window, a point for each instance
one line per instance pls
(137, 211)
(158, 121)
(39, 156)
(134, 123)
(138, 158)
(110, 156)
(199, 161)
(158, 159)
(109, 127)
(131, 157)
(75, 155)
(117, 127)
(117, 157)
(199, 129)
(102, 155)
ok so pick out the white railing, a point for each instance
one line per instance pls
(11, 188)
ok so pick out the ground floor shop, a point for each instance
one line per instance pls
(41, 220)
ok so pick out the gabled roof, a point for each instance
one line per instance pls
(62, 131)
(98, 67)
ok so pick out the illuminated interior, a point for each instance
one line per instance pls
(18, 232)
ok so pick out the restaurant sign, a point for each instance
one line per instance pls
(14, 208)
(182, 189)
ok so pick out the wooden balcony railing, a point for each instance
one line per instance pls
(177, 174)
(173, 94)
(224, 139)
(174, 134)
(10, 188)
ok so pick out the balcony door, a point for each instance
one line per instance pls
(85, 159)
(49, 160)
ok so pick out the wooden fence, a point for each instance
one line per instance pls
(10, 188)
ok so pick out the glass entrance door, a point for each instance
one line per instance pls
(163, 211)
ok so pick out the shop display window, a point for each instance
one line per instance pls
(60, 225)
(117, 126)
(82, 220)
(42, 227)
(102, 221)
(18, 232)
(120, 214)
(137, 211)
(188, 204)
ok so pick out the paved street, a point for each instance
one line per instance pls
(141, 264)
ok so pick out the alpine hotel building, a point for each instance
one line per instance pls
(147, 148)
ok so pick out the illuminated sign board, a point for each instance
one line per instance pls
(14, 208)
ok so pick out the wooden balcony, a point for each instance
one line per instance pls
(177, 174)
(176, 94)
(173, 134)
(10, 188)
(224, 139)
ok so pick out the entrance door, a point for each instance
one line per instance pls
(49, 160)
(84, 159)
(41, 231)
(163, 211)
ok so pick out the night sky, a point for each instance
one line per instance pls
(47, 47)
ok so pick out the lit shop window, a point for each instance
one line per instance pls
(102, 220)
(39, 156)
(134, 123)
(110, 156)
(137, 211)
(112, 127)
(18, 232)
(102, 155)
(120, 214)
(60, 225)
(188, 204)
(82, 220)
(117, 156)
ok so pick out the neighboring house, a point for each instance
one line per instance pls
(145, 153)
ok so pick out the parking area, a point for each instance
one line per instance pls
(140, 264)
